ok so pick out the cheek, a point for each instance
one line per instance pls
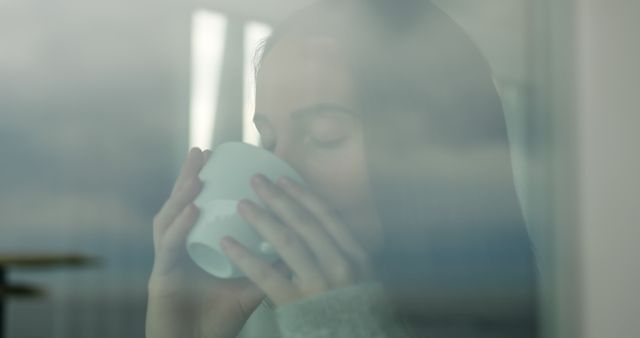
(340, 176)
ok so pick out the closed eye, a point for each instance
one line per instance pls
(319, 125)
(334, 143)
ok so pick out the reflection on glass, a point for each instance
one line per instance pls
(207, 48)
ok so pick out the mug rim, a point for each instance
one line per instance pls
(260, 150)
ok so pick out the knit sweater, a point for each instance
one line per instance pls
(355, 311)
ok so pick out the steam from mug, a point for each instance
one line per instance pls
(226, 180)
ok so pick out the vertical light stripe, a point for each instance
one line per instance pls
(207, 47)
(254, 33)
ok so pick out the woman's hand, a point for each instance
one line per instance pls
(185, 301)
(311, 240)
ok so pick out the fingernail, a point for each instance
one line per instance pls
(244, 206)
(229, 245)
(259, 179)
(196, 150)
(191, 154)
(284, 182)
(288, 184)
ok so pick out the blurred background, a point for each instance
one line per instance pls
(100, 101)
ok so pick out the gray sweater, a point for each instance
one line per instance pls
(356, 311)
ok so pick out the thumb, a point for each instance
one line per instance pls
(249, 297)
(252, 295)
(172, 246)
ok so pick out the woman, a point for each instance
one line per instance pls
(412, 227)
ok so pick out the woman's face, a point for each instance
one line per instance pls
(306, 115)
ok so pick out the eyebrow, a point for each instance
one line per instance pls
(310, 111)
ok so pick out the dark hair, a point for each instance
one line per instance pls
(456, 246)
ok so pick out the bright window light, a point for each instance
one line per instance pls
(254, 33)
(207, 47)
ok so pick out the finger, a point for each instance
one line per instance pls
(172, 243)
(282, 268)
(176, 233)
(265, 276)
(174, 205)
(249, 295)
(206, 154)
(319, 208)
(285, 241)
(306, 225)
(189, 169)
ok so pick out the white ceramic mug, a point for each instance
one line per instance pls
(226, 180)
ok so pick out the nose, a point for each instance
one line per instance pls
(284, 151)
(288, 152)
